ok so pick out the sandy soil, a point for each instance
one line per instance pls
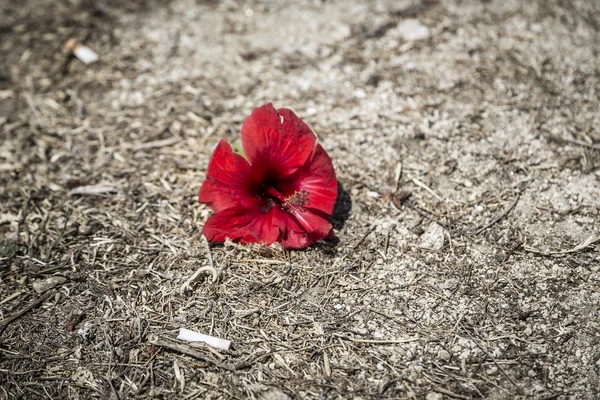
(483, 283)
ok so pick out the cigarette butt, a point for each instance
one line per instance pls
(70, 45)
(191, 336)
(83, 53)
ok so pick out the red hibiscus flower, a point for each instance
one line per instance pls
(283, 191)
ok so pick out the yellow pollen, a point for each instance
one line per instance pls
(295, 203)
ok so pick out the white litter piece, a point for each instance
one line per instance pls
(191, 336)
(94, 190)
(86, 55)
(83, 53)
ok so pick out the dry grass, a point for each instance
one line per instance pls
(466, 263)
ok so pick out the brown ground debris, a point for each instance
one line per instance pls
(479, 119)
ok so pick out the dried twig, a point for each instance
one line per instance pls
(7, 321)
(519, 389)
(450, 394)
(425, 214)
(12, 296)
(424, 186)
(575, 142)
(387, 240)
(397, 177)
(156, 144)
(584, 144)
(362, 239)
(377, 341)
(209, 268)
(190, 351)
(593, 239)
(500, 216)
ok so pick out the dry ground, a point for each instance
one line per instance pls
(485, 283)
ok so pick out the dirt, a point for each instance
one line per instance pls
(465, 137)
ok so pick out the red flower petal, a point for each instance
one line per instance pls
(301, 230)
(276, 142)
(317, 177)
(229, 180)
(242, 225)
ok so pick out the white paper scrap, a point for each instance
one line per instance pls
(86, 55)
(191, 336)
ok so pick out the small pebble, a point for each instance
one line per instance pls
(434, 396)
(433, 238)
(44, 285)
(412, 29)
(443, 355)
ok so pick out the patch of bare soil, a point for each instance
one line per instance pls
(465, 136)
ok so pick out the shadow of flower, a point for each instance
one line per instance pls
(342, 209)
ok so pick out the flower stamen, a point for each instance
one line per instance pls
(295, 203)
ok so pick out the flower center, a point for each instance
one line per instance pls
(294, 204)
